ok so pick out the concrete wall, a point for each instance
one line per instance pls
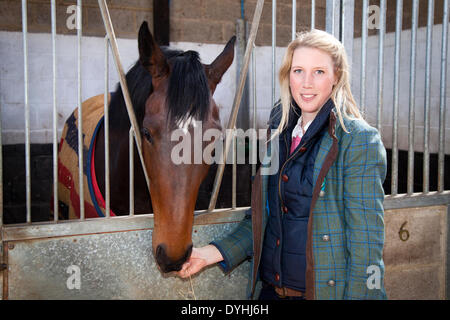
(40, 88)
(217, 18)
(416, 268)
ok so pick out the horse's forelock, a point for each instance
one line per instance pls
(188, 91)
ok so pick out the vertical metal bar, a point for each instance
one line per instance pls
(106, 124)
(426, 134)
(80, 112)
(332, 23)
(347, 27)
(243, 116)
(412, 97)
(294, 18)
(381, 62)
(274, 46)
(442, 104)
(362, 101)
(234, 171)
(55, 117)
(27, 111)
(131, 167)
(398, 31)
(253, 143)
(313, 14)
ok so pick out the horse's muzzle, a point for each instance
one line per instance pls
(166, 264)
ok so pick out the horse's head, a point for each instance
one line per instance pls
(181, 103)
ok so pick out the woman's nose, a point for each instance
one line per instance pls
(307, 81)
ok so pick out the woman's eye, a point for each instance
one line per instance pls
(147, 135)
(297, 70)
(320, 71)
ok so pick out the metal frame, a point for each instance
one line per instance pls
(334, 25)
(337, 12)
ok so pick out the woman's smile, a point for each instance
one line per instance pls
(311, 80)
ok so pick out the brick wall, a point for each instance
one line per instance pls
(203, 21)
(217, 18)
(125, 14)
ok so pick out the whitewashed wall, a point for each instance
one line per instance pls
(40, 82)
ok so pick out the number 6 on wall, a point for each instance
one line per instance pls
(403, 233)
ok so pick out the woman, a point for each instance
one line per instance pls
(320, 217)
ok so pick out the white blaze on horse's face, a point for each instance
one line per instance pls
(186, 123)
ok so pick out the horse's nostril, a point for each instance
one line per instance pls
(167, 264)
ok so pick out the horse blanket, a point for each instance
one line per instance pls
(68, 173)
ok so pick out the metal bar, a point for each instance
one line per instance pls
(416, 200)
(234, 173)
(347, 27)
(274, 47)
(412, 97)
(381, 62)
(27, 111)
(398, 31)
(332, 23)
(106, 125)
(253, 143)
(236, 103)
(123, 83)
(55, 117)
(131, 168)
(80, 111)
(442, 104)
(20, 232)
(294, 18)
(241, 36)
(362, 98)
(426, 134)
(313, 14)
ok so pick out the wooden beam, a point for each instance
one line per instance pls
(161, 22)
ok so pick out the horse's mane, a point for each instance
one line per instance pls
(188, 92)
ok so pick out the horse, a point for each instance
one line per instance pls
(169, 89)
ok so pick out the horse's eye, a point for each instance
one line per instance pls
(147, 135)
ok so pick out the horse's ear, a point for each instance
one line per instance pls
(218, 67)
(150, 55)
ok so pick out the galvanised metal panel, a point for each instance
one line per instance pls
(117, 265)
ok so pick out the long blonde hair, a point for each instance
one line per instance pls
(341, 93)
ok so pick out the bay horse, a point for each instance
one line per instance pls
(167, 87)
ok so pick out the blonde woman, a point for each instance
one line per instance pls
(316, 228)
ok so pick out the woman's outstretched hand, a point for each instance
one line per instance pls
(200, 258)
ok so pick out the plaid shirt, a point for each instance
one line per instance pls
(347, 225)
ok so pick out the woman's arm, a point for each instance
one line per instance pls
(229, 251)
(364, 173)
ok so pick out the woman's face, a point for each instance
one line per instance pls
(311, 80)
